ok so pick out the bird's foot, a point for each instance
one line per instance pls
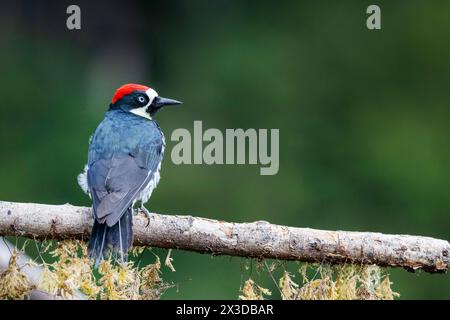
(147, 214)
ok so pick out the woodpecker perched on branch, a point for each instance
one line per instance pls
(124, 162)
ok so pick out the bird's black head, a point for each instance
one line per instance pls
(140, 100)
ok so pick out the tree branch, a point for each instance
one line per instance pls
(258, 239)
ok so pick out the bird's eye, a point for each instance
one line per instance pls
(141, 100)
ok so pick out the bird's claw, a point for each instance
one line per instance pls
(147, 214)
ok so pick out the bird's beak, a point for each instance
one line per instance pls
(159, 102)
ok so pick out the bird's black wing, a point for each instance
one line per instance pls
(116, 181)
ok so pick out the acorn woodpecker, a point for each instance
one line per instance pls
(124, 162)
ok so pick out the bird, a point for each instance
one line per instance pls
(123, 168)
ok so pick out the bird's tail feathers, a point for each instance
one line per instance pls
(114, 241)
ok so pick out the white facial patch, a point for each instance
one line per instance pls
(152, 94)
(142, 111)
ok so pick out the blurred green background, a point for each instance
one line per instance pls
(363, 115)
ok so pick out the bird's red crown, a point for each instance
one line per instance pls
(127, 89)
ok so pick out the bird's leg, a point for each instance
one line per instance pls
(146, 212)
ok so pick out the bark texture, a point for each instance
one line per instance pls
(258, 239)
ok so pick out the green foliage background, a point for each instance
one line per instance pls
(363, 115)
